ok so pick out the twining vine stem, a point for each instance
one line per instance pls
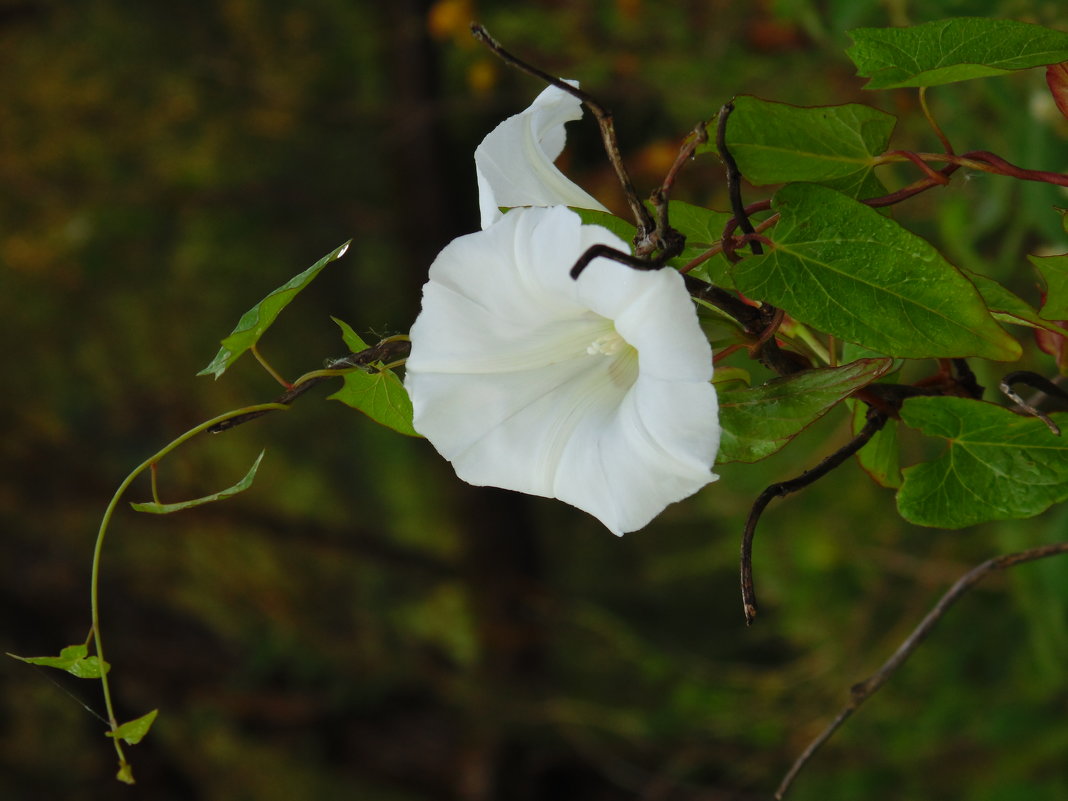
(862, 691)
(875, 421)
(389, 350)
(94, 581)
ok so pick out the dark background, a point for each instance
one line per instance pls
(360, 624)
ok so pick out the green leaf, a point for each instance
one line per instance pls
(133, 731)
(880, 458)
(952, 50)
(847, 270)
(151, 507)
(1054, 272)
(74, 659)
(776, 143)
(260, 317)
(759, 421)
(352, 340)
(1008, 307)
(997, 465)
(380, 395)
(621, 228)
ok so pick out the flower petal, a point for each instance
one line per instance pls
(514, 163)
(595, 391)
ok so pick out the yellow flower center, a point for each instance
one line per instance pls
(607, 345)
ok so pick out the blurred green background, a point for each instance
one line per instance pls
(361, 624)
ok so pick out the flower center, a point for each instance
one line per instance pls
(607, 345)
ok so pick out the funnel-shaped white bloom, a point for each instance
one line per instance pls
(514, 163)
(593, 391)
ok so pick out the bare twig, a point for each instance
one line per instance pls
(876, 420)
(861, 692)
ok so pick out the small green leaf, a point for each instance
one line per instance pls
(380, 394)
(133, 731)
(260, 317)
(151, 507)
(847, 270)
(1008, 307)
(353, 340)
(125, 774)
(74, 659)
(1054, 272)
(951, 50)
(759, 421)
(997, 465)
(776, 143)
(880, 458)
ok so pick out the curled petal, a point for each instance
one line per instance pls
(514, 163)
(595, 391)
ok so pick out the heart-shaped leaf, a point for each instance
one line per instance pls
(951, 50)
(74, 659)
(1054, 272)
(845, 269)
(997, 465)
(259, 318)
(776, 143)
(759, 421)
(133, 731)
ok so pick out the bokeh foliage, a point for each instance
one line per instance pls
(360, 624)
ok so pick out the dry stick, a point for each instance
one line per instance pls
(861, 692)
(642, 218)
(876, 420)
(667, 238)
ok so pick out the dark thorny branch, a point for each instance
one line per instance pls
(387, 351)
(862, 691)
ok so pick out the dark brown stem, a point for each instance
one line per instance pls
(609, 252)
(734, 177)
(862, 691)
(876, 420)
(1035, 381)
(643, 220)
(388, 350)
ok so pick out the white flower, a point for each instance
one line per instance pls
(595, 391)
(514, 163)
